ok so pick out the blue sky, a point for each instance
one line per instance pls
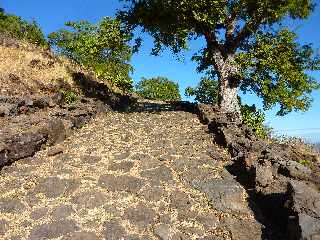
(51, 15)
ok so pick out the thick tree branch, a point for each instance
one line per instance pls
(215, 49)
(250, 27)
(230, 26)
(212, 41)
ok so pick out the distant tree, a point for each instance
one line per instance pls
(160, 88)
(206, 92)
(243, 45)
(18, 28)
(102, 47)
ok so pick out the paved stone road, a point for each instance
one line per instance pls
(127, 176)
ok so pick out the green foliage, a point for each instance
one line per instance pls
(255, 120)
(206, 92)
(306, 163)
(274, 68)
(159, 88)
(239, 36)
(69, 96)
(21, 29)
(102, 47)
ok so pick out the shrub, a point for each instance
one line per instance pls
(101, 47)
(255, 120)
(206, 91)
(21, 29)
(306, 163)
(69, 96)
(158, 88)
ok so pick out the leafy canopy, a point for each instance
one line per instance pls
(206, 92)
(18, 28)
(102, 47)
(275, 66)
(158, 88)
(242, 33)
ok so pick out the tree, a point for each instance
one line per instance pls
(159, 88)
(16, 27)
(103, 47)
(244, 47)
(206, 91)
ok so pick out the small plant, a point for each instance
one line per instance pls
(306, 163)
(69, 96)
(255, 119)
(159, 88)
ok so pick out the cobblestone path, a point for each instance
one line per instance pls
(127, 176)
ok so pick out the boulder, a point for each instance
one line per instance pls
(304, 203)
(27, 143)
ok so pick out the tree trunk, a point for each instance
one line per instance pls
(228, 97)
(228, 94)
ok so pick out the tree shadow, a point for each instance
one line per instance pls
(165, 106)
(269, 209)
(101, 91)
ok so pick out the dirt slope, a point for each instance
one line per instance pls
(27, 70)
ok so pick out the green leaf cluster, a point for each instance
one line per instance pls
(255, 119)
(206, 92)
(18, 28)
(69, 96)
(158, 88)
(275, 67)
(103, 48)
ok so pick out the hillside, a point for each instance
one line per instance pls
(108, 166)
(27, 69)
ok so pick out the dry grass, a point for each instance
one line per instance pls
(26, 69)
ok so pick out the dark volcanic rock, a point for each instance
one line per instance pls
(62, 212)
(22, 146)
(53, 230)
(89, 200)
(269, 168)
(81, 236)
(113, 230)
(305, 204)
(39, 213)
(243, 229)
(158, 175)
(3, 227)
(27, 143)
(8, 205)
(226, 195)
(53, 187)
(162, 231)
(121, 183)
(122, 166)
(141, 216)
(55, 131)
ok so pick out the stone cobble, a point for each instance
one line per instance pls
(127, 176)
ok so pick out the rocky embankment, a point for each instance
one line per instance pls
(29, 124)
(283, 179)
